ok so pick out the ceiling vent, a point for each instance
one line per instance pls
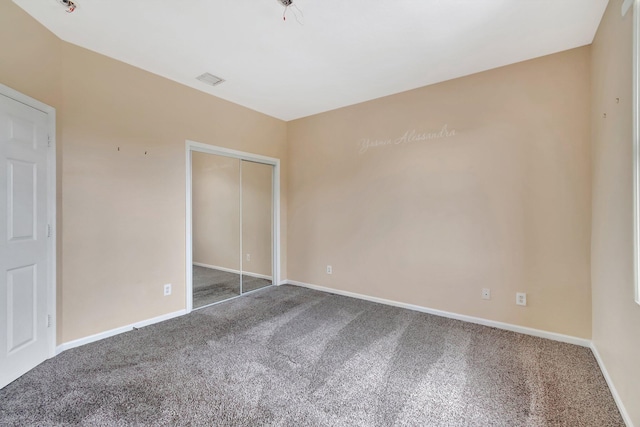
(210, 79)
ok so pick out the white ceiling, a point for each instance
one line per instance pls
(342, 52)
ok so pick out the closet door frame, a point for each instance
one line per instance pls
(192, 146)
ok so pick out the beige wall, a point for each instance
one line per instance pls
(616, 317)
(123, 215)
(30, 59)
(124, 210)
(216, 210)
(503, 202)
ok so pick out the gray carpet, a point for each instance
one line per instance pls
(288, 356)
(211, 285)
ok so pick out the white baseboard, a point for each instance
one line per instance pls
(117, 331)
(231, 270)
(477, 320)
(614, 391)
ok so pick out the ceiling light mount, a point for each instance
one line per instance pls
(68, 4)
(289, 4)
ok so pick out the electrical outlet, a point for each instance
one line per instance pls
(329, 269)
(248, 257)
(486, 293)
(167, 289)
(521, 298)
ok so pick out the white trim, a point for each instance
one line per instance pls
(275, 255)
(191, 146)
(477, 320)
(189, 240)
(51, 204)
(625, 6)
(25, 99)
(112, 332)
(636, 150)
(231, 270)
(52, 194)
(227, 152)
(241, 219)
(614, 392)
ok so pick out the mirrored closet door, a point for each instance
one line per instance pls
(232, 227)
(256, 225)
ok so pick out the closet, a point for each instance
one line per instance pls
(232, 227)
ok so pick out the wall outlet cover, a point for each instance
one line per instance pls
(521, 298)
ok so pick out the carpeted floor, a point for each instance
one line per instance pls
(288, 356)
(211, 285)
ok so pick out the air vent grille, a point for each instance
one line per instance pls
(210, 79)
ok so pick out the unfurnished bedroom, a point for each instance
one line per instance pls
(320, 213)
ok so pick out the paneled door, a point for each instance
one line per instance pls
(24, 275)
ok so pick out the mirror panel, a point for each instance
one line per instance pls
(216, 228)
(257, 225)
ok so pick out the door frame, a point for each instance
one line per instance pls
(51, 208)
(200, 147)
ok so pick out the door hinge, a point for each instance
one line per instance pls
(49, 230)
(49, 320)
(48, 140)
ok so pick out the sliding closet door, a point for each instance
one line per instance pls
(257, 225)
(216, 228)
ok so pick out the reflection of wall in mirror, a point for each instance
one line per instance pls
(216, 213)
(256, 217)
(216, 210)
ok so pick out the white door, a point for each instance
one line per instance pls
(24, 334)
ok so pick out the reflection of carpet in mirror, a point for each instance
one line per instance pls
(211, 285)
